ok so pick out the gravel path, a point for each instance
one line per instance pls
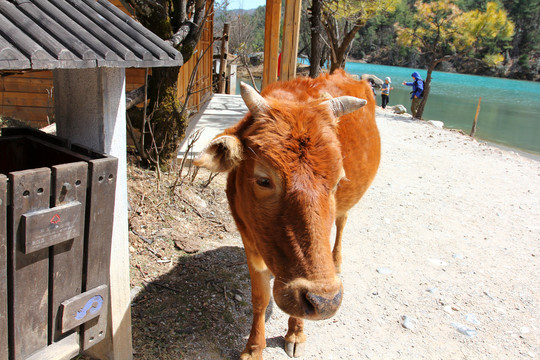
(441, 256)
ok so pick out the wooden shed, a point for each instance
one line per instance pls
(29, 95)
(87, 45)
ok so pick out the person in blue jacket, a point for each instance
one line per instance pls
(417, 91)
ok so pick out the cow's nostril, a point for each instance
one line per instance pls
(309, 308)
(322, 306)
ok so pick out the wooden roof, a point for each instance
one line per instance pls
(74, 34)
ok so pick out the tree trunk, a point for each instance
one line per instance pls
(340, 51)
(427, 82)
(316, 40)
(427, 87)
(167, 123)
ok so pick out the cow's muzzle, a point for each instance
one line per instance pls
(309, 300)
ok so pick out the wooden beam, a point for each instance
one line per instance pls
(291, 33)
(271, 41)
(223, 59)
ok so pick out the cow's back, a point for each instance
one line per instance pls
(360, 142)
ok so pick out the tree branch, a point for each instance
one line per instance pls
(134, 97)
(181, 34)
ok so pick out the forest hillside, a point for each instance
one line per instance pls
(376, 42)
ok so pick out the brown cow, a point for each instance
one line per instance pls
(298, 161)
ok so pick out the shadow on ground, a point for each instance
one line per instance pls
(201, 309)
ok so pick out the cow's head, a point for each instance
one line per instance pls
(286, 165)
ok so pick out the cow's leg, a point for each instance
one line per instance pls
(295, 340)
(336, 253)
(260, 298)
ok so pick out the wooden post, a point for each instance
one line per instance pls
(473, 130)
(271, 41)
(3, 269)
(90, 110)
(291, 33)
(232, 79)
(223, 58)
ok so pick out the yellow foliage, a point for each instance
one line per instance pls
(436, 22)
(479, 26)
(493, 59)
(361, 10)
(443, 28)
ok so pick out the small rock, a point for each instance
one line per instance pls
(199, 202)
(187, 245)
(408, 322)
(457, 256)
(384, 271)
(441, 301)
(399, 109)
(432, 290)
(471, 318)
(134, 292)
(524, 330)
(237, 297)
(436, 123)
(448, 309)
(438, 262)
(462, 329)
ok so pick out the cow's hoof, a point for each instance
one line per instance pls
(295, 349)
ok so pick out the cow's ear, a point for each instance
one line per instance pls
(222, 154)
(344, 105)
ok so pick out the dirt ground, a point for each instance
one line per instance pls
(441, 260)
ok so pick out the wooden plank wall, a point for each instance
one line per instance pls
(203, 80)
(28, 96)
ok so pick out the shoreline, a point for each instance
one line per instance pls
(519, 151)
(408, 117)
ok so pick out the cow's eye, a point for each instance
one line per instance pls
(264, 182)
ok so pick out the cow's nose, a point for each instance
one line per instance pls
(322, 307)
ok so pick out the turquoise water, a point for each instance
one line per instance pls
(509, 111)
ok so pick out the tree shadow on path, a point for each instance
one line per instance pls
(201, 309)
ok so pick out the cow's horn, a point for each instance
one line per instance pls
(254, 101)
(345, 104)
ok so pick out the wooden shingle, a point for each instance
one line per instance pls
(76, 34)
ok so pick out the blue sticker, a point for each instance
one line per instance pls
(93, 305)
